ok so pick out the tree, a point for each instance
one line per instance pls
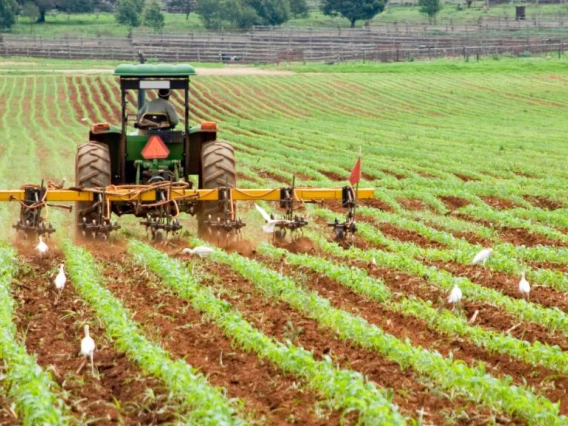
(430, 8)
(42, 6)
(8, 9)
(299, 8)
(139, 5)
(75, 6)
(469, 2)
(354, 10)
(185, 5)
(217, 14)
(153, 16)
(271, 12)
(127, 13)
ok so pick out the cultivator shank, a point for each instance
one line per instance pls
(346, 230)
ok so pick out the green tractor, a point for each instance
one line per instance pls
(157, 158)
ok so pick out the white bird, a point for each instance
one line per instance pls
(41, 247)
(61, 278)
(199, 250)
(524, 286)
(271, 223)
(84, 119)
(455, 295)
(60, 281)
(482, 256)
(87, 350)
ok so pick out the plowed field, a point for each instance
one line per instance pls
(306, 331)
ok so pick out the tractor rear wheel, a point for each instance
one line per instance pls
(218, 169)
(92, 170)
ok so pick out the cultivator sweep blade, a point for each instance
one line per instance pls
(157, 225)
(160, 205)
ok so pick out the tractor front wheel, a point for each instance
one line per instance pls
(218, 169)
(92, 170)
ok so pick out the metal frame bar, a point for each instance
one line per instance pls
(303, 194)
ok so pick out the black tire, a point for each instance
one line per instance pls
(92, 170)
(218, 169)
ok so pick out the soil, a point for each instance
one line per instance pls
(406, 235)
(377, 204)
(332, 176)
(543, 202)
(465, 178)
(265, 174)
(412, 203)
(517, 236)
(454, 203)
(399, 176)
(499, 203)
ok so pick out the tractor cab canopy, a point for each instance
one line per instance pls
(144, 77)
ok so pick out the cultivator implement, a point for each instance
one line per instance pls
(160, 205)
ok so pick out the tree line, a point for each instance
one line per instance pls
(215, 14)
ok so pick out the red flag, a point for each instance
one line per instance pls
(355, 175)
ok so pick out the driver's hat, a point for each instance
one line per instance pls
(164, 93)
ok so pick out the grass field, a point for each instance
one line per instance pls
(461, 156)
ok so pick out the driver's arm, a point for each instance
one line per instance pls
(172, 115)
(142, 112)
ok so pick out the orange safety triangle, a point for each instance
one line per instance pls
(155, 149)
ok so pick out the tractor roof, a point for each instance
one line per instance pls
(150, 71)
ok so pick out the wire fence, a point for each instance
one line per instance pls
(279, 46)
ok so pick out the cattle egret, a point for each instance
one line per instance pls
(269, 227)
(60, 281)
(524, 286)
(455, 295)
(199, 250)
(41, 247)
(84, 119)
(87, 350)
(373, 262)
(482, 256)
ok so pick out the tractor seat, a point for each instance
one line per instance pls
(153, 120)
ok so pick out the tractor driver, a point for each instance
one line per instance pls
(160, 105)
